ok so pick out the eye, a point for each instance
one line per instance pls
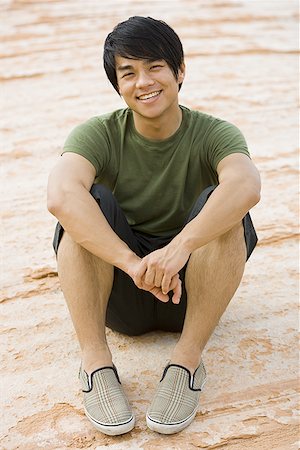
(156, 66)
(127, 74)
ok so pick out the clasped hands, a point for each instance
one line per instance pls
(158, 272)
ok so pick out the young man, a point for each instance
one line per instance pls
(154, 230)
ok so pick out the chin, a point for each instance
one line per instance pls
(145, 114)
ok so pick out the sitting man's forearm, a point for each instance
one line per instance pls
(82, 219)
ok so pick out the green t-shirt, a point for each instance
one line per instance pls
(156, 183)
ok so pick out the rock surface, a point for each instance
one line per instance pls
(242, 66)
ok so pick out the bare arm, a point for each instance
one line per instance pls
(238, 191)
(69, 200)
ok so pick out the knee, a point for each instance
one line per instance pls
(71, 257)
(233, 241)
(236, 233)
(70, 252)
(67, 247)
(235, 237)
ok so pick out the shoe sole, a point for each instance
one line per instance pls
(169, 428)
(112, 430)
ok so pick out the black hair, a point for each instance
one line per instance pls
(142, 38)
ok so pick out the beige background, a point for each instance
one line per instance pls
(241, 66)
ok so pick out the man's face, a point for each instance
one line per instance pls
(150, 89)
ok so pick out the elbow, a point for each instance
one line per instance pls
(257, 189)
(256, 197)
(253, 199)
(253, 192)
(55, 200)
(53, 205)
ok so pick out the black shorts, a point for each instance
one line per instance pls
(130, 310)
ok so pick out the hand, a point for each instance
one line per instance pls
(132, 268)
(175, 286)
(160, 270)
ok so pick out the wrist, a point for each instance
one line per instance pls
(186, 242)
(126, 261)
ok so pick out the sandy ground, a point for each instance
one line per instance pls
(242, 66)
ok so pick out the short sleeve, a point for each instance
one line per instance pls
(89, 140)
(222, 139)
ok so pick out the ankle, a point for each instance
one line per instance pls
(95, 358)
(188, 359)
(190, 364)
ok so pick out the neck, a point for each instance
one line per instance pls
(159, 128)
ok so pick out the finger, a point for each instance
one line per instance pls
(177, 294)
(138, 279)
(149, 277)
(177, 291)
(156, 291)
(158, 294)
(166, 283)
(158, 279)
(174, 282)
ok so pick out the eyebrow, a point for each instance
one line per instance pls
(124, 68)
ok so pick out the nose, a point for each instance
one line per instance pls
(144, 79)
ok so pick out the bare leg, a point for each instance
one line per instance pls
(213, 274)
(86, 282)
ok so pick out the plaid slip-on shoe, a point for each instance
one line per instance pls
(105, 403)
(176, 400)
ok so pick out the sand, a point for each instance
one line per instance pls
(241, 66)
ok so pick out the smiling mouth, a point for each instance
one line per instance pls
(150, 95)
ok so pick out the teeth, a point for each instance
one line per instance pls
(146, 96)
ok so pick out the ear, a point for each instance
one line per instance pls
(181, 73)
